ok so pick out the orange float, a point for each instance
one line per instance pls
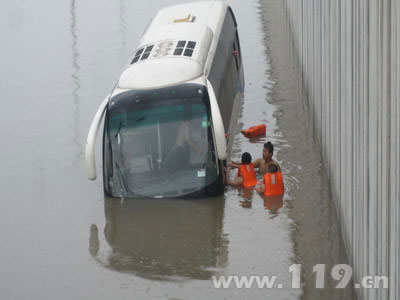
(255, 131)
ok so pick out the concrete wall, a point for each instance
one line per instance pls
(349, 52)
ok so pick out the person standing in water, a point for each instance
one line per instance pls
(266, 160)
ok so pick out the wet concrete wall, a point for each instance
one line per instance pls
(349, 52)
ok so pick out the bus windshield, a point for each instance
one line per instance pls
(158, 147)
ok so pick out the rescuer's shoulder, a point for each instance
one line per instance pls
(277, 164)
(257, 163)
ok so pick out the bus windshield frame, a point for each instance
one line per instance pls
(160, 144)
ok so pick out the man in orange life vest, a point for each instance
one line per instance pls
(273, 182)
(246, 175)
(263, 163)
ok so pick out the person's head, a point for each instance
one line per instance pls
(272, 168)
(246, 158)
(268, 150)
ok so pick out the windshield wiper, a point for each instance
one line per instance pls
(124, 184)
(117, 135)
(119, 128)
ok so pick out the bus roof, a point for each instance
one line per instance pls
(176, 46)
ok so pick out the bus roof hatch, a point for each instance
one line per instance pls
(184, 18)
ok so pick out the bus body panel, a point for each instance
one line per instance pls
(184, 50)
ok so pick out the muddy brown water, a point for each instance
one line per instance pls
(61, 238)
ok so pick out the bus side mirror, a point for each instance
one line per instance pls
(90, 159)
(218, 124)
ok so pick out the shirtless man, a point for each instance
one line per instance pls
(263, 163)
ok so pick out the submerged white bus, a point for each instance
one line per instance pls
(166, 120)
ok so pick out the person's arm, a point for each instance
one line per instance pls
(256, 163)
(260, 187)
(234, 165)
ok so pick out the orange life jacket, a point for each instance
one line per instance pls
(273, 184)
(255, 130)
(248, 174)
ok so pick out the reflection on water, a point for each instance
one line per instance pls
(273, 203)
(162, 239)
(245, 193)
(246, 203)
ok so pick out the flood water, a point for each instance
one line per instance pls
(61, 238)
